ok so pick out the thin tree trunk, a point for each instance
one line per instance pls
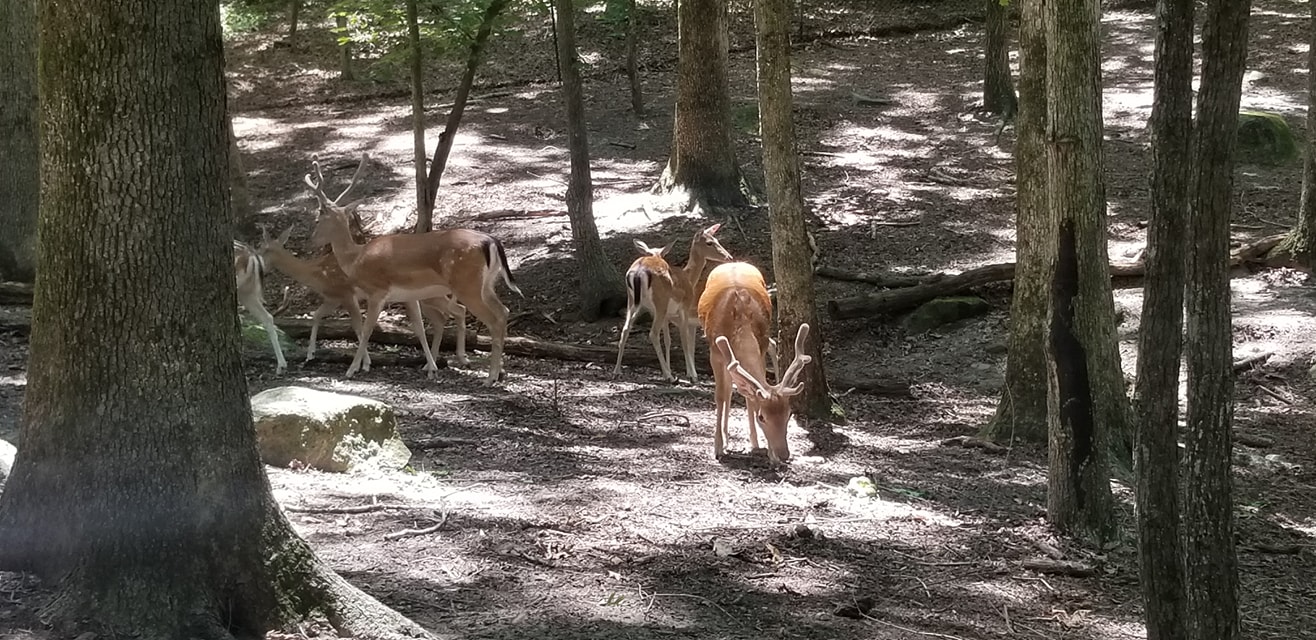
(1156, 394)
(1086, 389)
(344, 50)
(244, 215)
(703, 162)
(294, 18)
(439, 163)
(1021, 413)
(134, 355)
(792, 257)
(601, 291)
(423, 217)
(1300, 245)
(20, 178)
(632, 61)
(998, 88)
(1211, 567)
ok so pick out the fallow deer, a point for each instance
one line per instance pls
(737, 315)
(248, 269)
(323, 276)
(670, 295)
(410, 267)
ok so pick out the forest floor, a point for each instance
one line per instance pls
(578, 504)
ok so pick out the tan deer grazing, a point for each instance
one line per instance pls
(737, 316)
(670, 295)
(248, 269)
(323, 276)
(410, 267)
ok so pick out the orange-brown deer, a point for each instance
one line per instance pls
(323, 276)
(248, 270)
(410, 267)
(737, 315)
(669, 295)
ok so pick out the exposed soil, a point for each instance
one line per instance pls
(577, 504)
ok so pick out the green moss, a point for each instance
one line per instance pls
(1265, 138)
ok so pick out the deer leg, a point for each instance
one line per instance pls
(450, 307)
(418, 328)
(353, 309)
(752, 407)
(722, 396)
(373, 307)
(438, 315)
(489, 310)
(687, 329)
(325, 307)
(252, 303)
(632, 310)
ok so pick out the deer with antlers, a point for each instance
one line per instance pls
(325, 277)
(248, 270)
(737, 315)
(669, 295)
(410, 267)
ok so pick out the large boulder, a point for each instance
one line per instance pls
(7, 452)
(1265, 138)
(326, 431)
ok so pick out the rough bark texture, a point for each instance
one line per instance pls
(344, 50)
(632, 60)
(439, 162)
(138, 493)
(244, 215)
(703, 161)
(294, 19)
(423, 217)
(1086, 388)
(1021, 413)
(792, 258)
(998, 86)
(1211, 563)
(19, 174)
(1156, 394)
(601, 291)
(1300, 245)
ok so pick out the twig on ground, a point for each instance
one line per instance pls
(930, 634)
(661, 414)
(1273, 393)
(359, 508)
(1253, 440)
(1047, 548)
(1251, 361)
(407, 533)
(1005, 611)
(1059, 567)
(971, 442)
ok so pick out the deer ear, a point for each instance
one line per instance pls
(641, 247)
(713, 229)
(665, 249)
(283, 237)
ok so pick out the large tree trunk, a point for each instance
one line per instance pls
(703, 162)
(632, 60)
(601, 291)
(1211, 565)
(1156, 394)
(439, 162)
(138, 493)
(792, 257)
(20, 177)
(1021, 412)
(1086, 389)
(998, 87)
(1300, 245)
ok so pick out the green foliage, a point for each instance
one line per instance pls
(254, 336)
(1265, 138)
(378, 30)
(249, 16)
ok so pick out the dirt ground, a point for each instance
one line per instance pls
(576, 504)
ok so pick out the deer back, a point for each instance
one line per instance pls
(735, 304)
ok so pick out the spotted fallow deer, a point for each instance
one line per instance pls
(737, 316)
(670, 295)
(248, 270)
(323, 276)
(410, 267)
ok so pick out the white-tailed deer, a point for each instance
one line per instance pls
(737, 315)
(670, 295)
(323, 276)
(410, 267)
(248, 269)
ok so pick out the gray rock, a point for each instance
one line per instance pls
(7, 452)
(934, 313)
(326, 431)
(1265, 138)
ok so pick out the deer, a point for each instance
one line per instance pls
(248, 269)
(410, 267)
(736, 313)
(670, 295)
(323, 276)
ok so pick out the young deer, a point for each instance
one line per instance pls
(410, 267)
(248, 268)
(737, 313)
(323, 276)
(670, 296)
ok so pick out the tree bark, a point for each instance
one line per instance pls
(294, 18)
(439, 163)
(1086, 399)
(1211, 567)
(1299, 246)
(998, 86)
(138, 493)
(792, 257)
(20, 179)
(703, 163)
(344, 49)
(632, 61)
(601, 291)
(244, 215)
(423, 222)
(1022, 411)
(1156, 393)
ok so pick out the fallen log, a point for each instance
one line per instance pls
(387, 333)
(19, 293)
(886, 279)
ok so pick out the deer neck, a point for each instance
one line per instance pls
(345, 250)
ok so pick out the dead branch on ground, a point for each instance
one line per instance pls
(1060, 567)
